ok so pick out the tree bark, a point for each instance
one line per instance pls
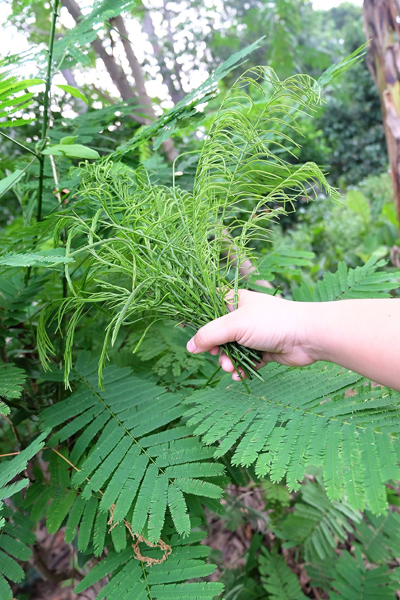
(382, 28)
(135, 67)
(177, 69)
(80, 105)
(140, 83)
(117, 75)
(148, 28)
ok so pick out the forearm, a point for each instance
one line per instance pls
(360, 335)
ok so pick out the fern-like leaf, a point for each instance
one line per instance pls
(14, 98)
(138, 466)
(362, 282)
(278, 580)
(307, 411)
(317, 524)
(349, 579)
(164, 581)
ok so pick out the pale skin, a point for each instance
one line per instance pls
(360, 335)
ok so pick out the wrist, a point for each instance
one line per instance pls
(315, 329)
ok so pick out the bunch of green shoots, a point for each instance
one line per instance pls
(154, 252)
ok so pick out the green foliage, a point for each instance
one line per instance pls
(163, 351)
(15, 527)
(276, 494)
(297, 419)
(278, 580)
(379, 537)
(139, 268)
(12, 380)
(317, 524)
(348, 578)
(16, 538)
(165, 581)
(71, 150)
(340, 233)
(141, 465)
(130, 467)
(49, 258)
(282, 260)
(185, 110)
(72, 47)
(361, 282)
(14, 98)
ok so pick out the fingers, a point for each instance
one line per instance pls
(226, 363)
(230, 299)
(214, 334)
(235, 375)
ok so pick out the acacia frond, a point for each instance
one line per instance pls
(15, 526)
(129, 579)
(349, 578)
(126, 461)
(346, 283)
(379, 537)
(12, 380)
(317, 524)
(277, 579)
(48, 259)
(14, 98)
(15, 538)
(306, 417)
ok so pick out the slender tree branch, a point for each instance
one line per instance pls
(19, 144)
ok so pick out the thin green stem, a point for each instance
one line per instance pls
(18, 144)
(46, 103)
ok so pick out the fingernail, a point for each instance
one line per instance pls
(191, 346)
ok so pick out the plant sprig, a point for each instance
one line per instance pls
(154, 251)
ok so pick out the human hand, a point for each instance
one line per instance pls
(275, 326)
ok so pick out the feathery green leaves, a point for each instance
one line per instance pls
(165, 581)
(304, 417)
(362, 282)
(278, 580)
(126, 458)
(157, 250)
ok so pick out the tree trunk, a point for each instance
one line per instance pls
(80, 106)
(177, 69)
(382, 28)
(140, 84)
(148, 27)
(117, 75)
(135, 67)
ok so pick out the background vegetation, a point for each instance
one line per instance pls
(167, 481)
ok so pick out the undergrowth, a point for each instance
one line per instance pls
(132, 460)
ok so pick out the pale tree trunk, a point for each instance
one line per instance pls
(177, 69)
(148, 28)
(80, 105)
(117, 75)
(382, 28)
(135, 67)
(137, 74)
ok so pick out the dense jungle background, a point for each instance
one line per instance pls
(130, 469)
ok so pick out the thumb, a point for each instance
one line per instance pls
(217, 332)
